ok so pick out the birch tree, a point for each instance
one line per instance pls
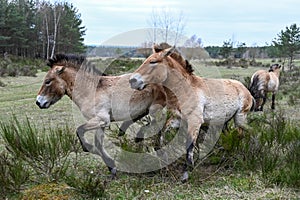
(167, 25)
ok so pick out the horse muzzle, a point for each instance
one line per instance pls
(136, 82)
(42, 102)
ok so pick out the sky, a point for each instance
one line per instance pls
(254, 22)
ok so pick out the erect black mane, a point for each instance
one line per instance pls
(176, 56)
(75, 61)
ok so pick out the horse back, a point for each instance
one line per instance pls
(224, 98)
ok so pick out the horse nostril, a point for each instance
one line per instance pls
(132, 80)
(38, 103)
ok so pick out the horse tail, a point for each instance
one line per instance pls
(254, 86)
(253, 105)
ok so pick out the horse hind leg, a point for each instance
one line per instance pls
(240, 124)
(156, 114)
(273, 101)
(264, 97)
(125, 125)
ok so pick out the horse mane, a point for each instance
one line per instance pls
(74, 61)
(176, 56)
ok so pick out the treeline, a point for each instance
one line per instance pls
(33, 28)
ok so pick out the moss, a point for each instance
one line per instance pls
(47, 191)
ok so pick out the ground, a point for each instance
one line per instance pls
(207, 181)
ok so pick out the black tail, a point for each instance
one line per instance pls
(253, 87)
(253, 107)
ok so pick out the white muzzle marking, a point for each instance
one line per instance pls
(136, 82)
(42, 101)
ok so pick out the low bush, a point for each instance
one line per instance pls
(17, 66)
(42, 153)
(272, 147)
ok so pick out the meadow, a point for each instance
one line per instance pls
(40, 157)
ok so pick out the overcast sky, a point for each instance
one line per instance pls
(255, 22)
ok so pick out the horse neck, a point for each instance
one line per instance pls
(178, 87)
(79, 85)
(69, 78)
(177, 73)
(277, 72)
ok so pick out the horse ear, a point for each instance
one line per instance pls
(156, 48)
(59, 69)
(169, 51)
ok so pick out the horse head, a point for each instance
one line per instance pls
(54, 87)
(152, 70)
(274, 67)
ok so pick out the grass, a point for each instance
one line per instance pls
(88, 178)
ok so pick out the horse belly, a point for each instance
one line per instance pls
(126, 107)
(219, 113)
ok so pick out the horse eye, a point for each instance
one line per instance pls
(153, 62)
(48, 82)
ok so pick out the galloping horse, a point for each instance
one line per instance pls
(262, 82)
(200, 100)
(101, 99)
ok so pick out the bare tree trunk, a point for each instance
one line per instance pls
(170, 25)
(56, 22)
(48, 36)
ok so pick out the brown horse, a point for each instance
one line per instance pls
(262, 82)
(101, 99)
(200, 100)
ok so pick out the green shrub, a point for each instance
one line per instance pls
(273, 148)
(87, 182)
(17, 66)
(120, 65)
(44, 151)
(13, 174)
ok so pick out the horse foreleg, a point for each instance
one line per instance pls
(124, 127)
(92, 124)
(86, 147)
(110, 163)
(193, 131)
(273, 101)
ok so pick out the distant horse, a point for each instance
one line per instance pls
(101, 99)
(200, 100)
(262, 82)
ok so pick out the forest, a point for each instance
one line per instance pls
(38, 29)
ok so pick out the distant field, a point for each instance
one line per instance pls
(207, 182)
(18, 96)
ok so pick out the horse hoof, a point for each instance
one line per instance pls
(86, 147)
(136, 140)
(185, 177)
(113, 173)
(121, 133)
